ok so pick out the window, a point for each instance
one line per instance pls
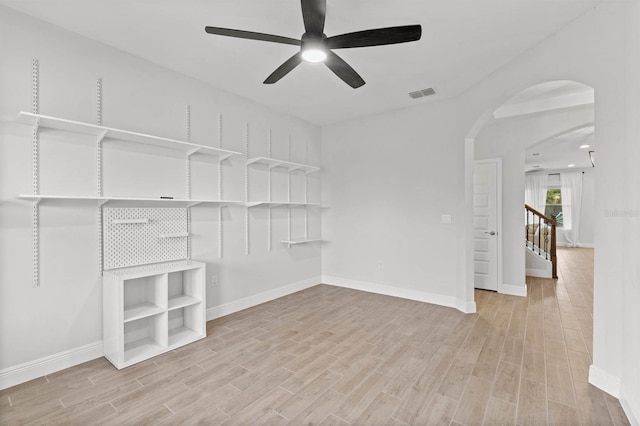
(553, 206)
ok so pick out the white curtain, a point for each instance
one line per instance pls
(535, 191)
(571, 193)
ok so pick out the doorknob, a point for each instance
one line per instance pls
(490, 232)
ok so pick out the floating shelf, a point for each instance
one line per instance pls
(273, 163)
(124, 135)
(145, 202)
(278, 203)
(294, 242)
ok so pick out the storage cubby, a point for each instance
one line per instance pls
(183, 325)
(183, 289)
(144, 337)
(151, 309)
(144, 297)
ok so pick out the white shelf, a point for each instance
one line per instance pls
(278, 203)
(182, 301)
(124, 135)
(181, 336)
(294, 242)
(138, 201)
(140, 311)
(273, 163)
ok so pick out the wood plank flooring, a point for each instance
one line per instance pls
(333, 356)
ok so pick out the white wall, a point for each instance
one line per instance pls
(386, 181)
(630, 368)
(591, 50)
(65, 312)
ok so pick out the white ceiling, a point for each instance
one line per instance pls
(562, 150)
(558, 153)
(463, 41)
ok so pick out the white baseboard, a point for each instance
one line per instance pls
(580, 245)
(632, 412)
(466, 307)
(538, 273)
(50, 364)
(513, 290)
(403, 293)
(604, 381)
(257, 299)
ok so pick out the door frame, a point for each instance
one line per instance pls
(498, 162)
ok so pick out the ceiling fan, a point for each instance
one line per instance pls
(315, 46)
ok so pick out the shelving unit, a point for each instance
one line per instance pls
(103, 132)
(152, 309)
(290, 167)
(137, 201)
(100, 135)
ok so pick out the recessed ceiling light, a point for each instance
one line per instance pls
(571, 165)
(584, 146)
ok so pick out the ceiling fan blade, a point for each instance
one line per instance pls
(313, 13)
(377, 37)
(343, 70)
(284, 69)
(251, 35)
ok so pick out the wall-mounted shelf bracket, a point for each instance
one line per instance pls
(100, 136)
(193, 151)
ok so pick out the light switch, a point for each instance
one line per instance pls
(445, 218)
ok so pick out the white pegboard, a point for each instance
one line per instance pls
(160, 235)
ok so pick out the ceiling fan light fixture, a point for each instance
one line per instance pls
(314, 52)
(314, 55)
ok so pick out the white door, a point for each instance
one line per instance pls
(485, 223)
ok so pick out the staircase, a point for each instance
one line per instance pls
(540, 240)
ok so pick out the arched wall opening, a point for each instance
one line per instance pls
(539, 132)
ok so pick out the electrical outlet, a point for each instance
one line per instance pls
(380, 264)
(214, 281)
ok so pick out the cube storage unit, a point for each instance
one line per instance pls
(152, 309)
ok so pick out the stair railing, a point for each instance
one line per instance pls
(540, 236)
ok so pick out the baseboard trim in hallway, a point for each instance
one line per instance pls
(403, 293)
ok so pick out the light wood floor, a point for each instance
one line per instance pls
(334, 356)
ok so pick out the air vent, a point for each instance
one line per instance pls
(422, 93)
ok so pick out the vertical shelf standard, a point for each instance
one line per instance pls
(152, 309)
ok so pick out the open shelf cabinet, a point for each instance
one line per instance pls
(152, 309)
